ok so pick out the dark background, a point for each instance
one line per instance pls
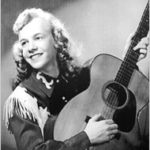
(97, 26)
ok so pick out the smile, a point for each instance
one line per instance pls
(35, 55)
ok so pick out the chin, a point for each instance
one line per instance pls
(38, 66)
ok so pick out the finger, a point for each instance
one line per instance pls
(111, 137)
(145, 40)
(113, 126)
(140, 46)
(130, 37)
(143, 51)
(143, 44)
(113, 132)
(142, 56)
(95, 117)
(109, 121)
(128, 42)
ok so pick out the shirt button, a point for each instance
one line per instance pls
(57, 81)
(63, 98)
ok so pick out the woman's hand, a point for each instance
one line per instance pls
(100, 131)
(142, 47)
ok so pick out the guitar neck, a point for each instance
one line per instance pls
(129, 63)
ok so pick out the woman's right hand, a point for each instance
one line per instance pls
(100, 131)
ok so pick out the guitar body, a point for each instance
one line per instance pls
(72, 118)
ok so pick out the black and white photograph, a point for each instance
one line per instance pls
(75, 74)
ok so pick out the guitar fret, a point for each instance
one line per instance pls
(129, 64)
(123, 80)
(125, 72)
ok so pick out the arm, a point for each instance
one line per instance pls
(143, 121)
(27, 121)
(28, 136)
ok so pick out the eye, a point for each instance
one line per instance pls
(23, 43)
(38, 37)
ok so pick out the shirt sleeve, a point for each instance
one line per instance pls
(26, 121)
(28, 136)
(143, 120)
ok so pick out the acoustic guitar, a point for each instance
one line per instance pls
(117, 90)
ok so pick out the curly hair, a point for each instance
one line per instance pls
(67, 55)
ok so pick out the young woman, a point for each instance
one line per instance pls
(48, 76)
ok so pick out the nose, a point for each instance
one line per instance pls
(32, 47)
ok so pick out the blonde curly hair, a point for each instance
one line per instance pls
(67, 55)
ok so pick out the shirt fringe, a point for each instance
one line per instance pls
(24, 105)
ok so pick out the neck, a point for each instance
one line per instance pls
(52, 70)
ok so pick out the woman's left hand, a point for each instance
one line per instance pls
(142, 47)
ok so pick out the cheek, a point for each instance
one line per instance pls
(25, 54)
(49, 44)
(51, 52)
(46, 45)
(49, 48)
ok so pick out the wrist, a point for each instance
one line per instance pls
(88, 135)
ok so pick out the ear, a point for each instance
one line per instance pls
(17, 51)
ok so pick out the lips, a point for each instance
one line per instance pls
(35, 55)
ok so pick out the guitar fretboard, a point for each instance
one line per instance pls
(129, 63)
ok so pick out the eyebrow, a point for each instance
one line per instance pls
(36, 34)
(22, 40)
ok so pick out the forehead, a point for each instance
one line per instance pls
(35, 26)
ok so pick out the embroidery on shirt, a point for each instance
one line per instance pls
(47, 84)
(25, 106)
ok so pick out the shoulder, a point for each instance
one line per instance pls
(24, 105)
(19, 102)
(20, 97)
(21, 93)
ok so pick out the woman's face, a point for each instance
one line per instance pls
(38, 45)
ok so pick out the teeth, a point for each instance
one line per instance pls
(36, 55)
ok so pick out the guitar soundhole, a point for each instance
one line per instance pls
(115, 95)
